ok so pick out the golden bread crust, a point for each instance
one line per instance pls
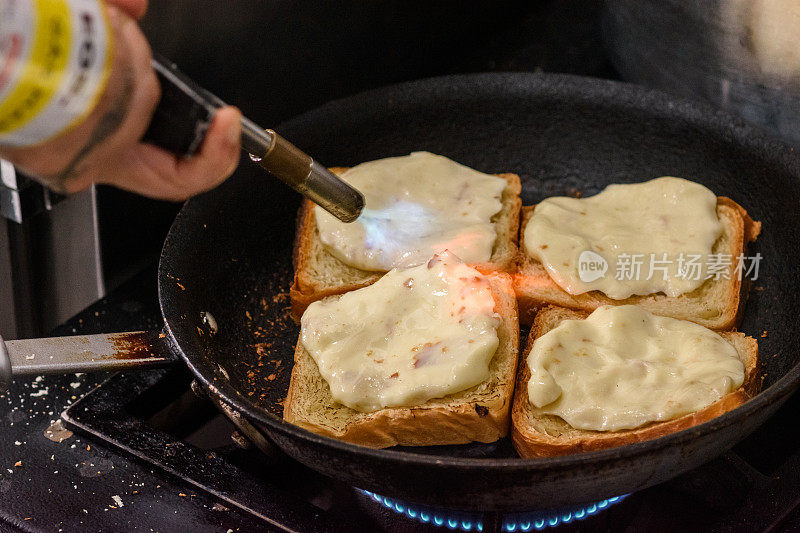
(549, 435)
(480, 413)
(717, 304)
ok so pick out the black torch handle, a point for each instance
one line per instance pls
(184, 114)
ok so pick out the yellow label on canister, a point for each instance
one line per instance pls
(54, 63)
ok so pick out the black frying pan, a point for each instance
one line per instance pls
(229, 254)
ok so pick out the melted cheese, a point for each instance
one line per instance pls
(670, 218)
(623, 367)
(415, 334)
(415, 206)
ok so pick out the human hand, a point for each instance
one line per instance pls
(106, 147)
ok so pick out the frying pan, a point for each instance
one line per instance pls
(226, 268)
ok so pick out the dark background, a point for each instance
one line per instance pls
(277, 58)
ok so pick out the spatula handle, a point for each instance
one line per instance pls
(82, 353)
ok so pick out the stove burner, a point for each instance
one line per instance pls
(512, 522)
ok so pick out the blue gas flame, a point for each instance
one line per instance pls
(512, 522)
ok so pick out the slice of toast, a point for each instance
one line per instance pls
(550, 435)
(319, 274)
(716, 304)
(480, 413)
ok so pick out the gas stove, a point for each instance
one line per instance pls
(140, 451)
(156, 417)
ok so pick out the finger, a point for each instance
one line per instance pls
(219, 153)
(153, 172)
(134, 8)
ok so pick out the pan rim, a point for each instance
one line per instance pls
(653, 102)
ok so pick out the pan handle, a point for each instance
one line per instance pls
(82, 353)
